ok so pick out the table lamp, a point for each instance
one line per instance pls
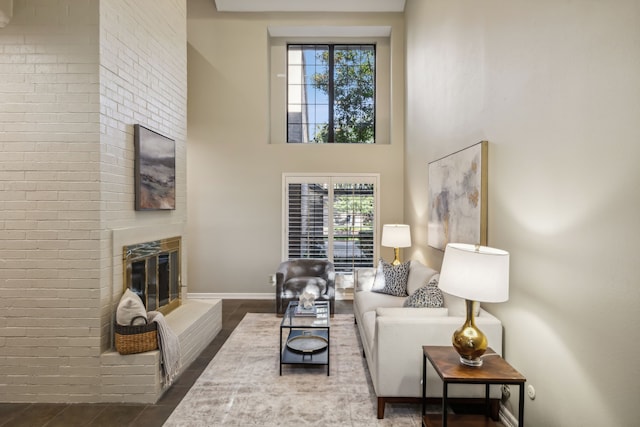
(475, 273)
(396, 236)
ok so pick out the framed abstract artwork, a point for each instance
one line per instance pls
(155, 170)
(458, 198)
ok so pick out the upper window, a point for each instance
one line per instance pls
(331, 93)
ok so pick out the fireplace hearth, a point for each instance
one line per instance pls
(137, 378)
(152, 271)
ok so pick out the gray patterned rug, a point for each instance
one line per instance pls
(242, 387)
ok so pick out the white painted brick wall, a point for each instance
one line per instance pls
(75, 76)
(143, 76)
(49, 198)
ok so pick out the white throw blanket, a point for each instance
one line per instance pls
(169, 347)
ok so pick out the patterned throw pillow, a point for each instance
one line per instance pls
(429, 296)
(395, 279)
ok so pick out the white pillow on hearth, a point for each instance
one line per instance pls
(130, 307)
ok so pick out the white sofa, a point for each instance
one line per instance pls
(393, 336)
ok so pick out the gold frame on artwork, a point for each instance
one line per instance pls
(457, 209)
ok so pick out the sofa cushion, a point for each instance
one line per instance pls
(419, 275)
(368, 301)
(427, 296)
(395, 279)
(412, 312)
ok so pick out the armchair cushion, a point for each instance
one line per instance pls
(297, 285)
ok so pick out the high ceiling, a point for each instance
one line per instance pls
(310, 5)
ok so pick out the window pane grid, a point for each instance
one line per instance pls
(331, 93)
(353, 226)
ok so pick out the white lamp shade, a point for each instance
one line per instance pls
(476, 273)
(396, 236)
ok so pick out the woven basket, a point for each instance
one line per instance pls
(136, 338)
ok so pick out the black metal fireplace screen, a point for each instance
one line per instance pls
(152, 270)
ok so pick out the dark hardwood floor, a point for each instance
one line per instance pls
(108, 414)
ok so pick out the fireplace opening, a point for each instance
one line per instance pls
(152, 271)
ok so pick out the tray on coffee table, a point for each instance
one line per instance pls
(307, 342)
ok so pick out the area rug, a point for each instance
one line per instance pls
(242, 386)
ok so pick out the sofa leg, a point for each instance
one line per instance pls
(495, 409)
(381, 403)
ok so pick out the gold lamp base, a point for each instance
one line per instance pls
(469, 341)
(396, 260)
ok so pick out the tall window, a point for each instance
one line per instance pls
(331, 93)
(333, 218)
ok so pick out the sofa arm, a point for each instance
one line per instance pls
(398, 345)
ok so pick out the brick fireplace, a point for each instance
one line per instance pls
(137, 377)
(79, 76)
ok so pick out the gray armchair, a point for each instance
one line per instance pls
(294, 277)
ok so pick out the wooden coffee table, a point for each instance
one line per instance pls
(494, 370)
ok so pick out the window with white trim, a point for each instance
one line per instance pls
(331, 92)
(331, 217)
(298, 105)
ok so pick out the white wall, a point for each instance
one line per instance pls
(554, 87)
(234, 174)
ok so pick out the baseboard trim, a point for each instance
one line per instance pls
(263, 296)
(506, 417)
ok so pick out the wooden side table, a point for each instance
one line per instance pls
(446, 362)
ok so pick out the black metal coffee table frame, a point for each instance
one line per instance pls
(317, 324)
